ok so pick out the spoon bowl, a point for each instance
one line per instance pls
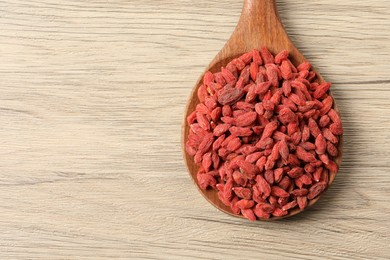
(259, 26)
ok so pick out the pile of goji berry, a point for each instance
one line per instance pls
(264, 134)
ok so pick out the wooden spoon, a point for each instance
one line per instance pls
(259, 26)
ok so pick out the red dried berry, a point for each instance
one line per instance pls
(264, 136)
(302, 202)
(316, 190)
(228, 95)
(279, 192)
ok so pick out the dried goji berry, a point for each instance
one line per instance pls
(264, 134)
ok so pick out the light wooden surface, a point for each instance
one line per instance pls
(91, 101)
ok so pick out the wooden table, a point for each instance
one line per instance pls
(91, 101)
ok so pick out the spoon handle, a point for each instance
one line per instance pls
(259, 12)
(260, 25)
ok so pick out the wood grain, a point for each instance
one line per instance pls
(92, 99)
